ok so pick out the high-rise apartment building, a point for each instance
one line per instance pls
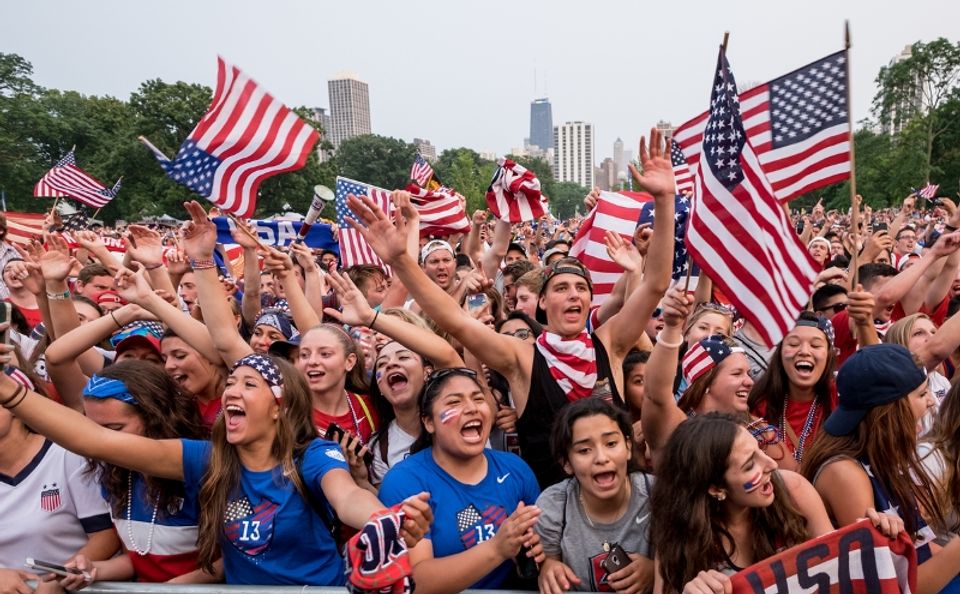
(573, 153)
(541, 124)
(619, 158)
(349, 108)
(426, 149)
(322, 119)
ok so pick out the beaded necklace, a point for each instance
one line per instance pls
(805, 431)
(153, 520)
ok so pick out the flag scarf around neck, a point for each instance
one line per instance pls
(573, 362)
(855, 558)
(514, 193)
(738, 232)
(245, 137)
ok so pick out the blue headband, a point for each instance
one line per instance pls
(265, 367)
(104, 387)
(278, 320)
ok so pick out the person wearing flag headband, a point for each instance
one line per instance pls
(567, 363)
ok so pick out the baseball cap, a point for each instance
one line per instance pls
(141, 333)
(282, 348)
(875, 375)
(434, 245)
(561, 266)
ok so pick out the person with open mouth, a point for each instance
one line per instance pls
(482, 499)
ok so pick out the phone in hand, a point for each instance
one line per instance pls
(616, 559)
(5, 313)
(476, 302)
(47, 567)
(336, 433)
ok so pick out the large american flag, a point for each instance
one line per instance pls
(65, 179)
(245, 137)
(353, 247)
(738, 232)
(798, 125)
(421, 171)
(514, 193)
(441, 211)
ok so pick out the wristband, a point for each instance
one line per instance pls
(202, 263)
(949, 228)
(114, 318)
(154, 267)
(59, 296)
(669, 345)
(19, 394)
(374, 320)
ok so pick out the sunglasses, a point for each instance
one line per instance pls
(835, 308)
(717, 308)
(521, 333)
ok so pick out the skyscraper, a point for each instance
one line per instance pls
(349, 108)
(573, 153)
(541, 124)
(619, 159)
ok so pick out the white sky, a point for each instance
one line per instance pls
(461, 73)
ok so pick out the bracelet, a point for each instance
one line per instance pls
(59, 296)
(154, 267)
(669, 345)
(950, 228)
(374, 320)
(114, 318)
(19, 394)
(202, 263)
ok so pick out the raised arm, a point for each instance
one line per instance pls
(896, 288)
(199, 239)
(281, 265)
(314, 279)
(250, 305)
(356, 312)
(146, 247)
(490, 260)
(660, 414)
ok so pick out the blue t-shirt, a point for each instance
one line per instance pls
(271, 535)
(464, 515)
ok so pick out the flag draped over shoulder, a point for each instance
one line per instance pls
(738, 232)
(441, 211)
(353, 247)
(65, 179)
(514, 193)
(798, 125)
(245, 137)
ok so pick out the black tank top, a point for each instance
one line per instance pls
(544, 403)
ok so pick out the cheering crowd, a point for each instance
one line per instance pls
(164, 421)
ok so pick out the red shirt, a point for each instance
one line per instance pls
(844, 339)
(360, 420)
(209, 411)
(32, 314)
(796, 417)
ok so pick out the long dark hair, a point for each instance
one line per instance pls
(431, 389)
(945, 439)
(688, 524)
(166, 413)
(773, 387)
(561, 439)
(295, 431)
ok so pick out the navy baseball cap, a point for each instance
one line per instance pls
(874, 375)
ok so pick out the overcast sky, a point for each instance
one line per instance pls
(461, 73)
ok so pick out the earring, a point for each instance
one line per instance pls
(720, 496)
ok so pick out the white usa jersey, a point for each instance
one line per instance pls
(48, 508)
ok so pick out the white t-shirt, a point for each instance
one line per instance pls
(939, 386)
(48, 509)
(398, 448)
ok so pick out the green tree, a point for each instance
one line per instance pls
(377, 160)
(20, 114)
(464, 170)
(567, 198)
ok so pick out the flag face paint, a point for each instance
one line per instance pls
(754, 483)
(450, 415)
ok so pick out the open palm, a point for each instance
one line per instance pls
(657, 177)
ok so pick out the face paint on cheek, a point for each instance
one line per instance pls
(754, 483)
(379, 375)
(450, 415)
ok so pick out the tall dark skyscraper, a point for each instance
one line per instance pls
(541, 123)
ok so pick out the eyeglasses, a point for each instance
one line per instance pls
(835, 308)
(521, 333)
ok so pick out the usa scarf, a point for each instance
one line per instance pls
(573, 363)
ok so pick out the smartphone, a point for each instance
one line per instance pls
(880, 227)
(5, 312)
(475, 302)
(335, 433)
(616, 559)
(47, 567)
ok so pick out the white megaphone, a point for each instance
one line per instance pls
(321, 196)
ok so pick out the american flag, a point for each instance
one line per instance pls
(681, 212)
(441, 212)
(798, 125)
(928, 192)
(353, 247)
(421, 171)
(76, 222)
(738, 232)
(514, 193)
(615, 211)
(24, 226)
(65, 179)
(681, 171)
(245, 137)
(50, 499)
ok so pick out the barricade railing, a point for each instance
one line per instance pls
(145, 588)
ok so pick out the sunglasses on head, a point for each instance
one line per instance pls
(521, 333)
(439, 374)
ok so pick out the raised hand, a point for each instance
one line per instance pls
(387, 238)
(177, 263)
(55, 265)
(242, 239)
(199, 233)
(144, 245)
(132, 285)
(278, 263)
(355, 309)
(401, 200)
(657, 177)
(947, 244)
(89, 240)
(623, 252)
(676, 307)
(304, 257)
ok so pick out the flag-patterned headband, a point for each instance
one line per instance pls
(265, 367)
(705, 355)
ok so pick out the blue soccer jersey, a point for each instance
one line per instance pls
(464, 515)
(271, 535)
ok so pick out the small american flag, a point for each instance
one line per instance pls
(65, 179)
(797, 124)
(441, 211)
(514, 193)
(681, 212)
(681, 171)
(76, 222)
(738, 232)
(928, 192)
(245, 137)
(421, 171)
(353, 247)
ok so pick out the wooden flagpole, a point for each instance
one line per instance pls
(854, 205)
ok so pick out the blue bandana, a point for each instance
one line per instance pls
(104, 387)
(265, 367)
(276, 319)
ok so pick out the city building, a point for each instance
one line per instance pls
(606, 175)
(897, 116)
(349, 108)
(541, 124)
(322, 118)
(573, 153)
(427, 150)
(619, 157)
(665, 128)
